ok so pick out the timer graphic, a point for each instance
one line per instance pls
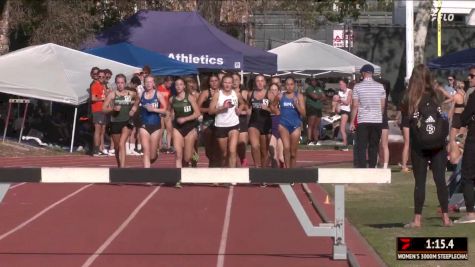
(432, 248)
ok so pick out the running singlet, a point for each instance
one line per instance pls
(259, 115)
(344, 96)
(182, 108)
(149, 118)
(289, 115)
(207, 118)
(228, 118)
(125, 103)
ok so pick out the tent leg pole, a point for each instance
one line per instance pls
(23, 123)
(198, 80)
(242, 77)
(6, 121)
(74, 129)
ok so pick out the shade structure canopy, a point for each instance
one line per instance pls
(189, 38)
(308, 56)
(53, 72)
(463, 59)
(136, 56)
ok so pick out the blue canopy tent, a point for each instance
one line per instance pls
(453, 61)
(138, 57)
(189, 38)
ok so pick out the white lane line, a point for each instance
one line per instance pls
(39, 214)
(17, 185)
(117, 232)
(224, 234)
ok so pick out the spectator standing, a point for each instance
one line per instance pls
(98, 95)
(342, 104)
(422, 99)
(313, 106)
(368, 102)
(468, 159)
(384, 145)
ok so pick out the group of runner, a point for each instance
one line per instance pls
(227, 115)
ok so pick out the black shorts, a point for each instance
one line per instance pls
(311, 111)
(151, 128)
(185, 128)
(116, 127)
(136, 119)
(456, 121)
(243, 124)
(344, 112)
(223, 132)
(264, 127)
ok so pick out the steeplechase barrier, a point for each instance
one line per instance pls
(284, 177)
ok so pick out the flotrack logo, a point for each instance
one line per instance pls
(203, 59)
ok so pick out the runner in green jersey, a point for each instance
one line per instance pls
(185, 113)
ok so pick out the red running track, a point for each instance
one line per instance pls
(136, 225)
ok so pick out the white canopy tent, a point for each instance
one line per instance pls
(309, 57)
(53, 72)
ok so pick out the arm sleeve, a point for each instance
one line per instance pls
(469, 110)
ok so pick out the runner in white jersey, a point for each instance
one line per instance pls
(227, 105)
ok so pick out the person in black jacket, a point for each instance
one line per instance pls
(421, 90)
(468, 159)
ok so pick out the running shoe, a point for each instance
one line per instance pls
(171, 150)
(138, 151)
(244, 163)
(344, 148)
(310, 143)
(110, 152)
(318, 143)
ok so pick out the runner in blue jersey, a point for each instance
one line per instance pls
(152, 104)
(292, 107)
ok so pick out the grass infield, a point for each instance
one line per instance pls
(379, 212)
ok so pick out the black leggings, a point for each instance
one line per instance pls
(420, 161)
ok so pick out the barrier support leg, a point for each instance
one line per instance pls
(3, 190)
(339, 245)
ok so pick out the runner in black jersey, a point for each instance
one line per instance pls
(260, 123)
(204, 101)
(243, 120)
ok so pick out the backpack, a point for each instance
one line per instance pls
(428, 128)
